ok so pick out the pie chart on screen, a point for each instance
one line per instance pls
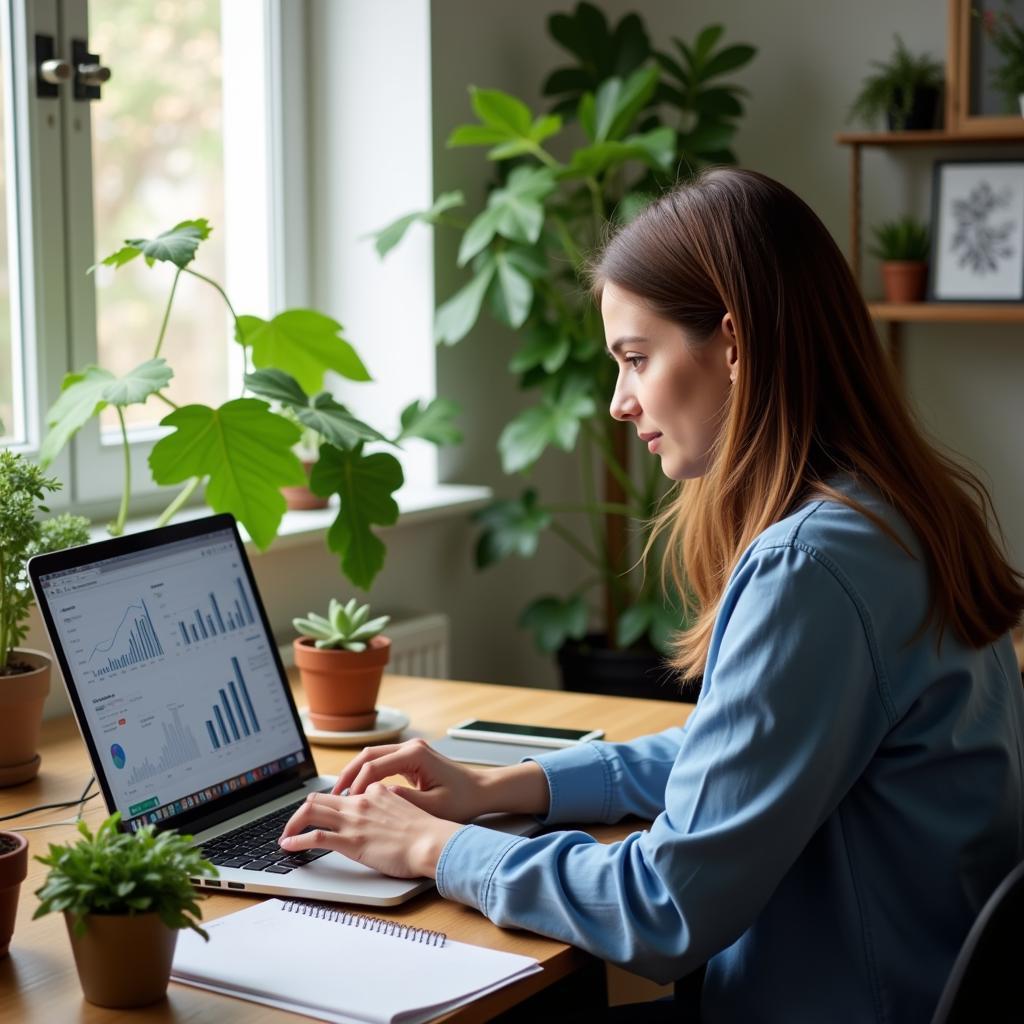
(117, 755)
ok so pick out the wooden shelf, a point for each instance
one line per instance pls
(932, 138)
(948, 312)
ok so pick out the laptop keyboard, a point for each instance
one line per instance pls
(254, 846)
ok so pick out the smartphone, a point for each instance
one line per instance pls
(516, 732)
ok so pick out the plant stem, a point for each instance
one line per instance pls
(585, 553)
(545, 157)
(613, 467)
(589, 494)
(598, 204)
(213, 284)
(167, 313)
(183, 496)
(116, 528)
(163, 398)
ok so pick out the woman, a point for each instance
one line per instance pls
(849, 788)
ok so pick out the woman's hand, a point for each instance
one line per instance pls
(378, 828)
(441, 786)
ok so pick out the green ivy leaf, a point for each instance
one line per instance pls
(322, 413)
(388, 237)
(137, 385)
(453, 319)
(554, 421)
(303, 343)
(81, 398)
(365, 484)
(433, 422)
(244, 449)
(510, 527)
(511, 292)
(177, 246)
(553, 621)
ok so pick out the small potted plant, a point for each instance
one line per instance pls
(902, 245)
(341, 660)
(299, 498)
(13, 868)
(24, 673)
(124, 896)
(905, 89)
(1008, 38)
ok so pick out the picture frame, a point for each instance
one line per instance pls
(973, 107)
(977, 231)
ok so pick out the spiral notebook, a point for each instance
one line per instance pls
(335, 965)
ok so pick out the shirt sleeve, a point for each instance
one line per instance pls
(791, 712)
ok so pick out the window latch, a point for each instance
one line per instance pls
(90, 74)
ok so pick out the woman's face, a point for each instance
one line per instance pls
(673, 392)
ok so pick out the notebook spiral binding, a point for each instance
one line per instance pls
(329, 912)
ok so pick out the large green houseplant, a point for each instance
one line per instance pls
(25, 530)
(241, 452)
(641, 118)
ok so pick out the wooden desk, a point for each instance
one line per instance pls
(38, 981)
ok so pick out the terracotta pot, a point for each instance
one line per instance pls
(301, 499)
(341, 686)
(123, 959)
(13, 869)
(904, 280)
(22, 696)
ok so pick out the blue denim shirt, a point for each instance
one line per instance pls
(844, 797)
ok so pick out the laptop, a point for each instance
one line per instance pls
(184, 705)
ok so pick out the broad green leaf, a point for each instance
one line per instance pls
(656, 148)
(634, 623)
(511, 293)
(605, 103)
(476, 135)
(729, 59)
(479, 234)
(454, 318)
(364, 484)
(177, 246)
(708, 138)
(137, 385)
(519, 205)
(636, 93)
(322, 413)
(546, 347)
(433, 422)
(81, 398)
(244, 449)
(544, 127)
(388, 237)
(705, 42)
(510, 527)
(303, 343)
(719, 103)
(553, 621)
(555, 421)
(499, 110)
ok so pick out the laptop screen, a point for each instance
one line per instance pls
(177, 682)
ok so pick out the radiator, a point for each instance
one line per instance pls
(419, 646)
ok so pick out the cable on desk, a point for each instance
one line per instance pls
(79, 803)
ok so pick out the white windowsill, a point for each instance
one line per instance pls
(417, 504)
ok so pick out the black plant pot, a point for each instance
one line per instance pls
(591, 666)
(923, 112)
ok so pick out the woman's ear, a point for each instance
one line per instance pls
(732, 352)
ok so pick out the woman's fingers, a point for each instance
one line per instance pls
(408, 759)
(319, 809)
(350, 770)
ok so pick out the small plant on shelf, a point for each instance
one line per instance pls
(903, 246)
(1008, 38)
(905, 89)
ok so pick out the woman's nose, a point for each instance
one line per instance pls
(624, 405)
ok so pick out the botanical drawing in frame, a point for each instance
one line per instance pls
(973, 107)
(977, 231)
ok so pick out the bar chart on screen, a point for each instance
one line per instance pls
(211, 617)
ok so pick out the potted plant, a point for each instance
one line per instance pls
(639, 115)
(24, 673)
(341, 659)
(905, 89)
(13, 869)
(903, 246)
(124, 896)
(240, 453)
(1008, 38)
(299, 497)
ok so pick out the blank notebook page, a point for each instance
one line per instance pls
(340, 966)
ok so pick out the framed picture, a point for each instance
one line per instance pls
(974, 104)
(977, 231)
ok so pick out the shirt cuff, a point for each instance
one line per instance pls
(468, 862)
(579, 781)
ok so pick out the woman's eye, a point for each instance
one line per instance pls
(635, 361)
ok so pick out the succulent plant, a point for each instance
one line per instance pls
(347, 626)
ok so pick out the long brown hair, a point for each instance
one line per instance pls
(815, 395)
